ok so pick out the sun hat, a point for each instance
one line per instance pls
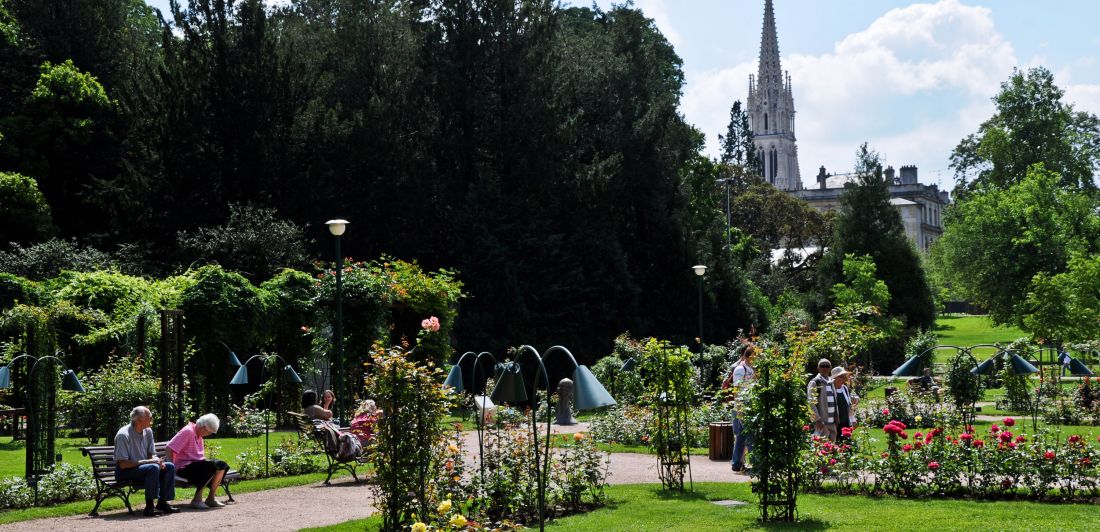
(839, 371)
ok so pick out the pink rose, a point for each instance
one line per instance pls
(1009, 422)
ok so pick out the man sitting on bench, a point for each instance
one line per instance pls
(925, 383)
(136, 460)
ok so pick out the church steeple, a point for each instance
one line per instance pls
(771, 111)
(770, 74)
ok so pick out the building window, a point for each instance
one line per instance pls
(765, 122)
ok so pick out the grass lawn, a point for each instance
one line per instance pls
(646, 507)
(13, 456)
(965, 331)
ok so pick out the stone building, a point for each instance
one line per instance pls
(771, 116)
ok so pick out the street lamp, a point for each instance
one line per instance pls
(40, 453)
(1017, 365)
(510, 388)
(700, 270)
(337, 228)
(241, 377)
(454, 380)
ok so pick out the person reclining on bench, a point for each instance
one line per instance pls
(188, 451)
(136, 460)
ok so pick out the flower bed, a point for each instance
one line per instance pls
(998, 463)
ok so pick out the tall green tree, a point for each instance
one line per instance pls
(1031, 125)
(738, 148)
(868, 225)
(997, 241)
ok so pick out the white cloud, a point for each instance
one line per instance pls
(1084, 97)
(912, 84)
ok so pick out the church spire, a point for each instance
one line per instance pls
(771, 112)
(770, 76)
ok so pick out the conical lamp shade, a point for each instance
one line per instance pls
(1021, 366)
(70, 382)
(588, 392)
(911, 368)
(5, 377)
(629, 365)
(292, 375)
(985, 368)
(241, 377)
(233, 360)
(1076, 367)
(510, 387)
(454, 379)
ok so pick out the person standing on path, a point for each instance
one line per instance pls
(846, 401)
(739, 380)
(822, 398)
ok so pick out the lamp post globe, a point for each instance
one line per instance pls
(700, 270)
(337, 227)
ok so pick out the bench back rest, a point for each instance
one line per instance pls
(103, 458)
(306, 429)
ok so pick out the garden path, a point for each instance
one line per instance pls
(318, 505)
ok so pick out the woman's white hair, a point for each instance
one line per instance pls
(209, 422)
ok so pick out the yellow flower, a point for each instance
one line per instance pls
(918, 419)
(458, 521)
(444, 506)
(453, 448)
(419, 527)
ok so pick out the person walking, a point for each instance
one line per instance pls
(822, 397)
(846, 401)
(738, 380)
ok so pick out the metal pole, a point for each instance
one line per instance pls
(701, 344)
(729, 240)
(338, 379)
(267, 432)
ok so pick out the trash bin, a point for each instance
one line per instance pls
(721, 441)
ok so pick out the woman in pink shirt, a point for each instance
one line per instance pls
(187, 450)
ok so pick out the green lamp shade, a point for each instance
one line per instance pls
(985, 368)
(454, 379)
(292, 375)
(1020, 366)
(588, 392)
(911, 368)
(70, 382)
(510, 387)
(5, 377)
(1076, 367)
(241, 376)
(629, 365)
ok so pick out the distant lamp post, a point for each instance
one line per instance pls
(511, 388)
(700, 270)
(337, 228)
(241, 377)
(40, 440)
(1017, 365)
(1076, 367)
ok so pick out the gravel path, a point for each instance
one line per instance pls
(294, 508)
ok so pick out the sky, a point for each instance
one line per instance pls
(910, 78)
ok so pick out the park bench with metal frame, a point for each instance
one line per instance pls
(103, 470)
(309, 431)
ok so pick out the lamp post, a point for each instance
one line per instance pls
(454, 380)
(241, 377)
(700, 270)
(1017, 365)
(40, 454)
(510, 388)
(337, 228)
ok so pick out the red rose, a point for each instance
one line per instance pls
(904, 435)
(1074, 438)
(846, 432)
(966, 436)
(1009, 422)
(933, 465)
(1006, 436)
(1020, 439)
(832, 461)
(918, 435)
(886, 455)
(979, 443)
(1049, 455)
(805, 428)
(1011, 445)
(1086, 461)
(994, 428)
(907, 447)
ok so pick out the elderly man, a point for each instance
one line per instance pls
(822, 396)
(136, 459)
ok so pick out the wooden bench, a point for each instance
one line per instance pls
(308, 431)
(103, 469)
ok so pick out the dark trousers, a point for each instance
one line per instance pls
(200, 473)
(159, 483)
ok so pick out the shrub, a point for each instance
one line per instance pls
(625, 424)
(15, 493)
(624, 386)
(24, 213)
(110, 393)
(66, 483)
(254, 241)
(48, 259)
(245, 422)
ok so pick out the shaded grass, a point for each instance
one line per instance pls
(645, 507)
